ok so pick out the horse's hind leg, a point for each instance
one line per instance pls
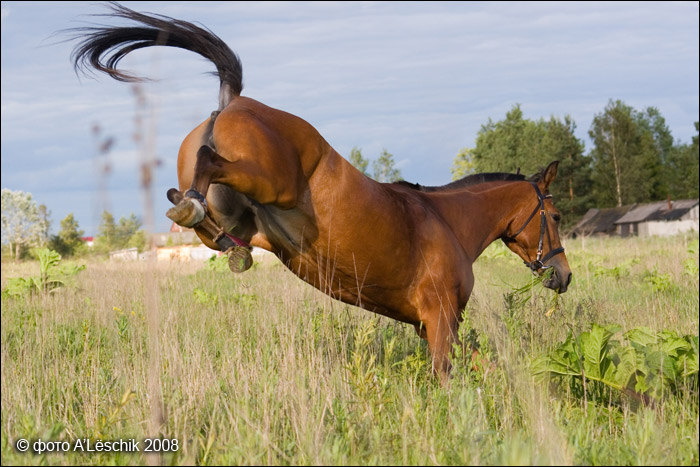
(265, 185)
(275, 186)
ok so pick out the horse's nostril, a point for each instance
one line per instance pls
(568, 279)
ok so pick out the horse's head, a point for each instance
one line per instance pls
(533, 233)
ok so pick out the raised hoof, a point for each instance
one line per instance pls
(239, 259)
(187, 213)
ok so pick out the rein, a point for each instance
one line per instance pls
(538, 263)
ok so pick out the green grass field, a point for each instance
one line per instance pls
(260, 368)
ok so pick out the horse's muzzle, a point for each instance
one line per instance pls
(560, 279)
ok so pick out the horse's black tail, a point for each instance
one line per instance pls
(104, 47)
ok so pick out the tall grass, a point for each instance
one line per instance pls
(260, 368)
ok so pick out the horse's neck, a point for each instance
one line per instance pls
(480, 215)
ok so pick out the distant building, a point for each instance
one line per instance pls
(600, 221)
(89, 241)
(660, 218)
(184, 253)
(176, 236)
(127, 254)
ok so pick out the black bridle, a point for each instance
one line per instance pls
(544, 228)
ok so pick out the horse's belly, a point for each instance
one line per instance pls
(387, 299)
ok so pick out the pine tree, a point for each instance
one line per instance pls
(682, 170)
(518, 143)
(627, 155)
(69, 241)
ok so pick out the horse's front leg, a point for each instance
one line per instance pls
(440, 302)
(439, 325)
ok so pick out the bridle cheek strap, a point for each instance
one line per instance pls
(539, 262)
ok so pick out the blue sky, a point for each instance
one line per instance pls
(418, 79)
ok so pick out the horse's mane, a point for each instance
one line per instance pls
(471, 180)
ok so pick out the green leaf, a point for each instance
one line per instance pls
(540, 365)
(558, 363)
(641, 385)
(661, 365)
(688, 361)
(594, 349)
(562, 361)
(52, 285)
(18, 286)
(674, 346)
(626, 367)
(69, 269)
(565, 362)
(641, 336)
(47, 259)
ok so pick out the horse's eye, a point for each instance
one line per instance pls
(556, 218)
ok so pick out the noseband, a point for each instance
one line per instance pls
(539, 261)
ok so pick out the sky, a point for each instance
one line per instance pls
(418, 79)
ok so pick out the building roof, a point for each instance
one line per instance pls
(658, 211)
(600, 220)
(641, 212)
(667, 215)
(178, 228)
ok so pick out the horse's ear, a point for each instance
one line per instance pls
(550, 173)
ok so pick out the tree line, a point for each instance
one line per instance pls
(26, 225)
(634, 158)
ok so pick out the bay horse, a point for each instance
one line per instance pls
(250, 175)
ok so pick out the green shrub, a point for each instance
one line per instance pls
(644, 364)
(52, 276)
